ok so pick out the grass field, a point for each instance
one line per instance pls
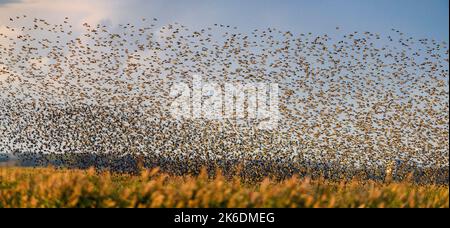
(49, 187)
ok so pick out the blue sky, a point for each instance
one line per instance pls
(419, 18)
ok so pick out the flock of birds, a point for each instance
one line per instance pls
(99, 96)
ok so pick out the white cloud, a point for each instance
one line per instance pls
(79, 11)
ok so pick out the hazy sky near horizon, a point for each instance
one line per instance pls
(418, 18)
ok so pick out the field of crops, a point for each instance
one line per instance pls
(49, 187)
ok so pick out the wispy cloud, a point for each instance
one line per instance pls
(77, 10)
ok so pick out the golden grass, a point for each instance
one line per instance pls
(48, 187)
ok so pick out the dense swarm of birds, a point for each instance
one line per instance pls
(98, 95)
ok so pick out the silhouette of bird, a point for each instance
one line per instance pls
(359, 102)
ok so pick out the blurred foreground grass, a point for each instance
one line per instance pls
(49, 187)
